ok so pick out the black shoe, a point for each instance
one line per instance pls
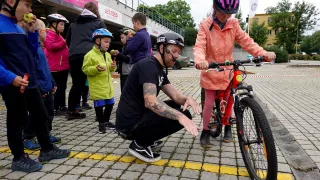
(102, 128)
(54, 153)
(86, 106)
(227, 134)
(205, 138)
(75, 115)
(143, 153)
(156, 144)
(25, 164)
(110, 126)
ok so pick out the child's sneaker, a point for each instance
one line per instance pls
(25, 164)
(86, 106)
(54, 153)
(102, 128)
(110, 126)
(54, 139)
(31, 144)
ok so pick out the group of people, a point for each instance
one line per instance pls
(35, 63)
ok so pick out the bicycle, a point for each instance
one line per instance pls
(241, 100)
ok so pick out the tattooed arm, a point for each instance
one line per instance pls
(154, 104)
(174, 94)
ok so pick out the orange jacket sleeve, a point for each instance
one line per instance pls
(200, 48)
(247, 43)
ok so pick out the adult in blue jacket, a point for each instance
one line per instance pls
(17, 58)
(139, 45)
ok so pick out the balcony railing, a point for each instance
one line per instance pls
(140, 6)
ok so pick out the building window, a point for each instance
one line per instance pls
(270, 32)
(269, 19)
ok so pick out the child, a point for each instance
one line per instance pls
(215, 43)
(98, 66)
(47, 88)
(57, 53)
(17, 59)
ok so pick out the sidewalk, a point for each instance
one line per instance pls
(96, 156)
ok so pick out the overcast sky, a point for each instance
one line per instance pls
(199, 8)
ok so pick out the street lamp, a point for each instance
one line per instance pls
(297, 35)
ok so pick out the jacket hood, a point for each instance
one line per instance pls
(86, 18)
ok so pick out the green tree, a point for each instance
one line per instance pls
(306, 44)
(177, 11)
(289, 21)
(190, 36)
(259, 33)
(239, 17)
(311, 43)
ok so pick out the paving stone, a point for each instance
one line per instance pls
(79, 170)
(5, 162)
(168, 149)
(95, 172)
(89, 163)
(4, 172)
(73, 162)
(120, 165)
(166, 177)
(190, 173)
(16, 175)
(208, 176)
(154, 169)
(59, 161)
(284, 168)
(120, 151)
(104, 164)
(112, 174)
(172, 171)
(196, 152)
(62, 169)
(137, 167)
(228, 177)
(88, 178)
(33, 176)
(177, 156)
(69, 177)
(148, 176)
(92, 149)
(243, 178)
(228, 161)
(182, 150)
(51, 176)
(129, 175)
(195, 158)
(48, 167)
(212, 160)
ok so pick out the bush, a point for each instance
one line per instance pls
(282, 55)
(304, 57)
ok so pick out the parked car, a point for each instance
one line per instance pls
(181, 62)
(314, 53)
(191, 63)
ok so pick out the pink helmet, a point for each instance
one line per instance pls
(227, 6)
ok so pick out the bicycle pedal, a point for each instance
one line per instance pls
(213, 125)
(233, 121)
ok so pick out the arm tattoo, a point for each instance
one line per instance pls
(158, 106)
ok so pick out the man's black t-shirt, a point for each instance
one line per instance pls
(132, 106)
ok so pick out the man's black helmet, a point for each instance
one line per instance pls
(124, 31)
(170, 38)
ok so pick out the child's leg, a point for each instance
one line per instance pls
(99, 114)
(107, 111)
(48, 102)
(208, 106)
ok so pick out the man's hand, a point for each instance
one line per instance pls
(18, 82)
(203, 65)
(270, 56)
(191, 102)
(100, 68)
(54, 89)
(189, 125)
(113, 64)
(31, 25)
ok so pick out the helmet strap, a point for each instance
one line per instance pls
(162, 57)
(11, 10)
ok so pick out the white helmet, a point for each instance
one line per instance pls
(56, 18)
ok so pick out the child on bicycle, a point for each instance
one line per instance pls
(215, 43)
(98, 66)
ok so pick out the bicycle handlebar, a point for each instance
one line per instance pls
(213, 65)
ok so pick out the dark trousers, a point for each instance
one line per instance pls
(123, 79)
(78, 84)
(29, 131)
(104, 116)
(85, 94)
(18, 105)
(154, 127)
(61, 79)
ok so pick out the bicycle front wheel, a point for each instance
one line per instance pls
(256, 141)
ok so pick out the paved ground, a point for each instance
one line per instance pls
(290, 93)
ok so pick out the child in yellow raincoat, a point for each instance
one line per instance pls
(98, 66)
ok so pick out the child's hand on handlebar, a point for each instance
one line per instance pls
(203, 65)
(270, 56)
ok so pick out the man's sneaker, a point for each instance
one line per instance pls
(156, 144)
(54, 139)
(102, 128)
(25, 164)
(78, 108)
(54, 153)
(86, 106)
(62, 111)
(75, 115)
(31, 144)
(110, 126)
(143, 153)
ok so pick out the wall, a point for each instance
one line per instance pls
(264, 18)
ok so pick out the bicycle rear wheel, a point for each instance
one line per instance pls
(256, 141)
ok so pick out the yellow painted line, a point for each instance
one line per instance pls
(215, 168)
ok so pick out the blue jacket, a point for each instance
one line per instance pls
(45, 79)
(139, 46)
(17, 53)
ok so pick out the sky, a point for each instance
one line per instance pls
(199, 10)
